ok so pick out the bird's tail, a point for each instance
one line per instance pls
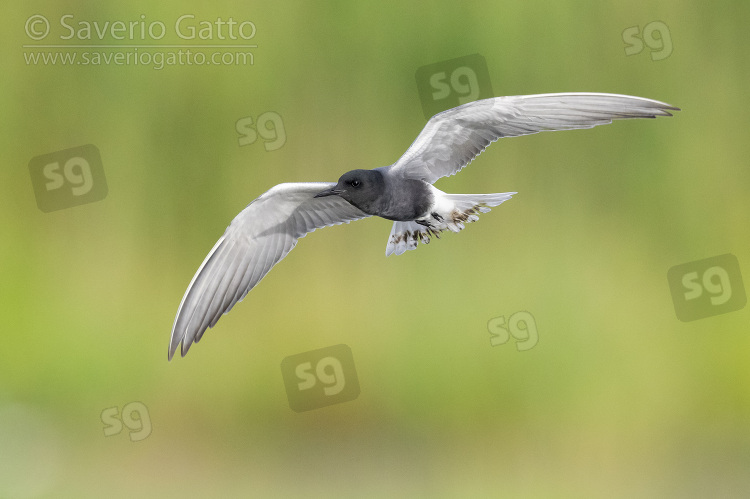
(456, 210)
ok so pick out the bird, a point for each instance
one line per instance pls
(262, 234)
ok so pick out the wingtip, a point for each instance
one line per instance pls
(665, 111)
(663, 108)
(171, 351)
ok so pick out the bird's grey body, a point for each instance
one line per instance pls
(269, 227)
(407, 198)
(384, 195)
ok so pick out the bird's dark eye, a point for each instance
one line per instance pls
(355, 183)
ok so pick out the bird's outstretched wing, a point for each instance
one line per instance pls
(451, 139)
(258, 238)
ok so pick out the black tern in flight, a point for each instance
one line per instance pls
(269, 227)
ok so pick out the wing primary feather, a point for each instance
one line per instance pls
(181, 319)
(452, 139)
(203, 298)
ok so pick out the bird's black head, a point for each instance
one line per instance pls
(362, 188)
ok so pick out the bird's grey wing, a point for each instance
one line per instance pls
(258, 238)
(451, 139)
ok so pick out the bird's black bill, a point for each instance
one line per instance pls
(328, 192)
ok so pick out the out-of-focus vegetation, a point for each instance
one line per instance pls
(618, 398)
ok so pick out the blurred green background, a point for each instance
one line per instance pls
(618, 398)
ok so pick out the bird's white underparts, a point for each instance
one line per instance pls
(269, 227)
